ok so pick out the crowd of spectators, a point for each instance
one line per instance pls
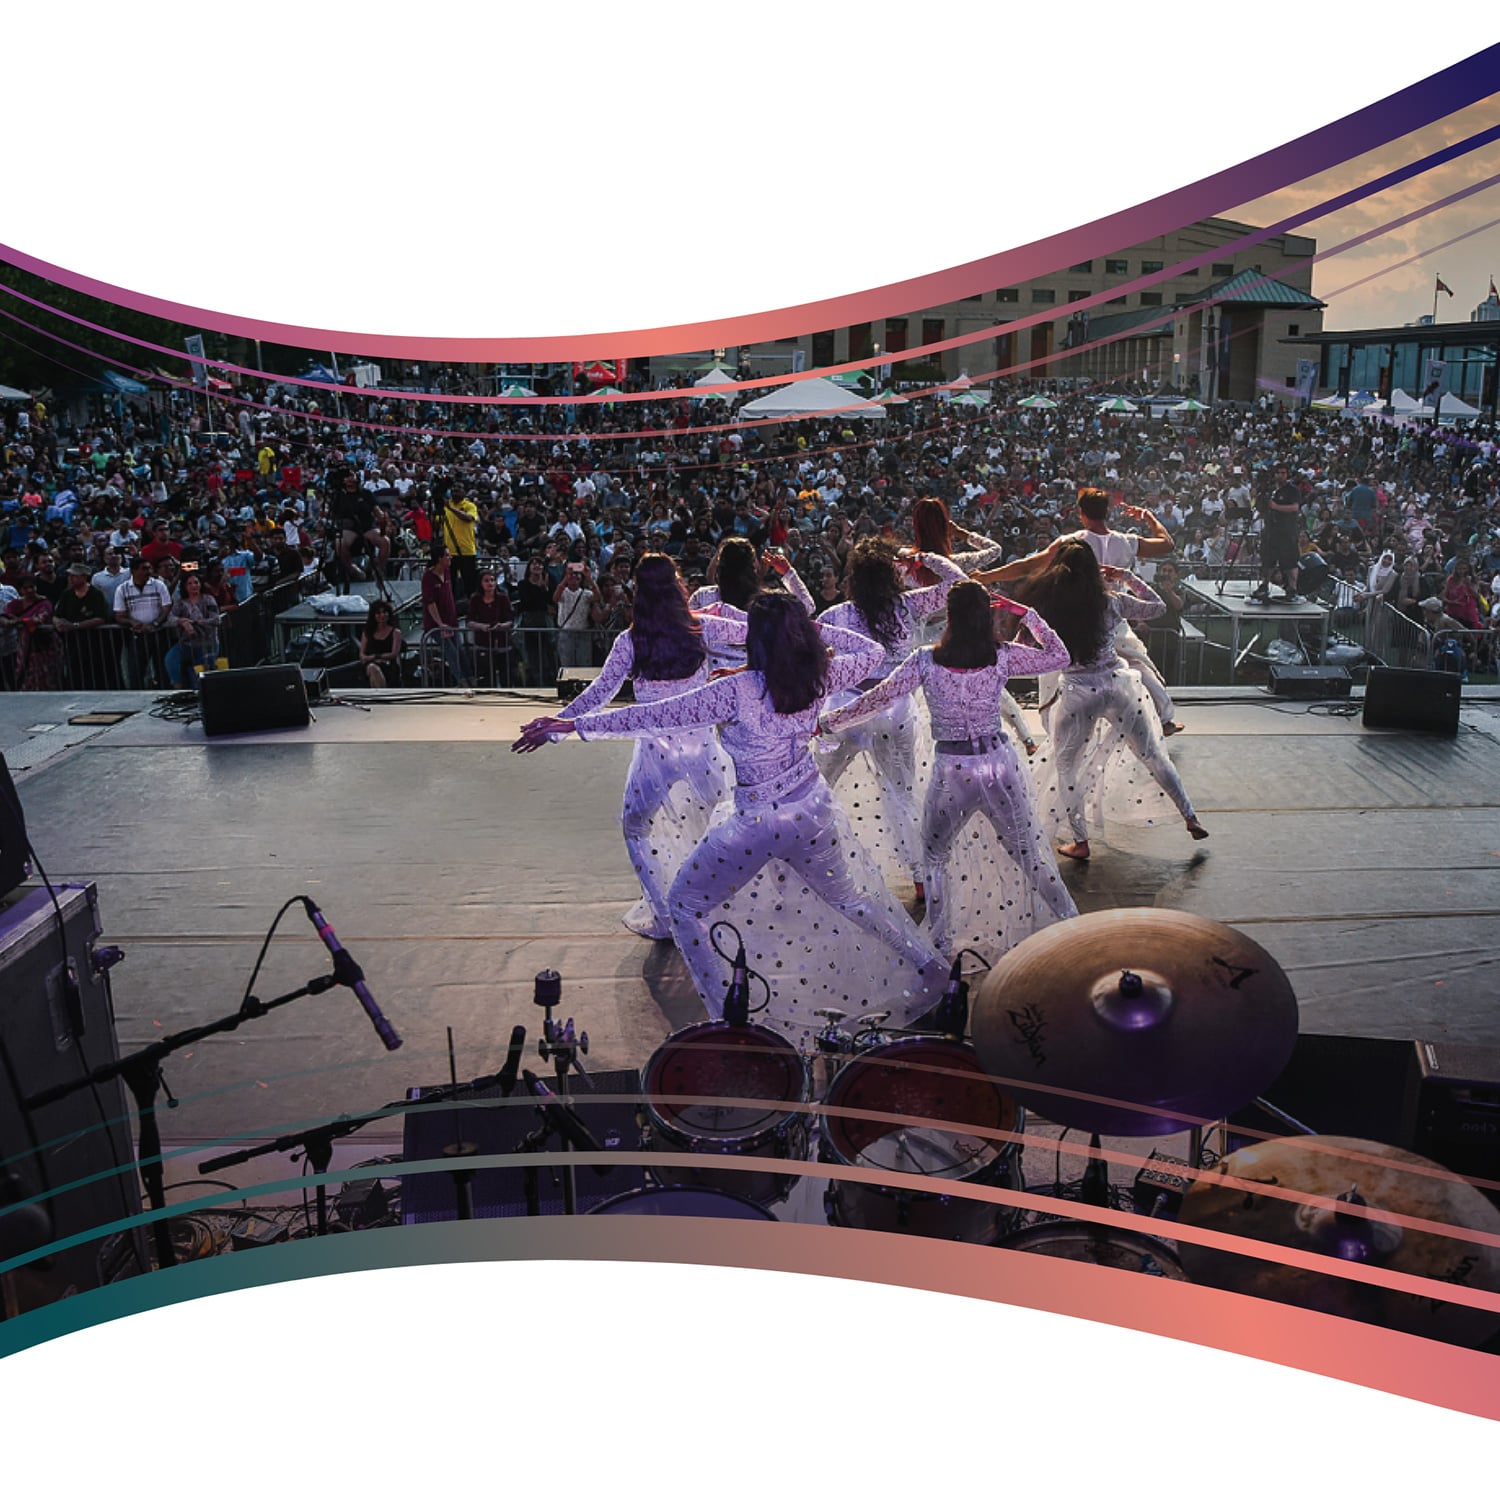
(149, 523)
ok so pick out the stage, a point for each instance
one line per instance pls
(1367, 863)
(1247, 617)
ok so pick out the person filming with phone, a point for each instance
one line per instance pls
(575, 599)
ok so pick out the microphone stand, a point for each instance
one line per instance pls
(317, 1143)
(142, 1074)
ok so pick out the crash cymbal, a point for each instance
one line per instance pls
(1136, 1006)
(1395, 1182)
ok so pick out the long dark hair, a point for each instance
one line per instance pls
(372, 621)
(875, 589)
(783, 645)
(1070, 596)
(667, 639)
(969, 638)
(738, 571)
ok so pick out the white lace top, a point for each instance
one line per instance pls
(620, 664)
(1141, 602)
(964, 703)
(763, 744)
(915, 606)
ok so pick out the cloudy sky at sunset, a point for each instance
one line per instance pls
(1404, 293)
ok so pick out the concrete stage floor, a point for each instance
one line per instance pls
(1367, 863)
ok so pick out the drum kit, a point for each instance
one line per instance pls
(1133, 1023)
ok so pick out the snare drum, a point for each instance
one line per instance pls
(712, 1061)
(1123, 1249)
(923, 1078)
(684, 1203)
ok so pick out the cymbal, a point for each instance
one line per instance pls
(1137, 1006)
(1316, 1166)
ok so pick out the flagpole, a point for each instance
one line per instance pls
(1437, 281)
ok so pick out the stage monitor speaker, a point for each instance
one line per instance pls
(1398, 698)
(1308, 682)
(1339, 1085)
(57, 1023)
(245, 700)
(498, 1130)
(1453, 1109)
(14, 863)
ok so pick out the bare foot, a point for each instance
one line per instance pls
(1078, 851)
(1195, 828)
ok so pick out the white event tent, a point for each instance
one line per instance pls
(811, 398)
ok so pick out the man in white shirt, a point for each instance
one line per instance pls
(142, 605)
(109, 578)
(1122, 549)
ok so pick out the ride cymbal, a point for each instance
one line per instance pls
(1174, 1014)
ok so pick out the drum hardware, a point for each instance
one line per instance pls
(560, 1044)
(832, 1045)
(684, 1202)
(917, 1078)
(1136, 1022)
(716, 1089)
(1336, 1196)
(1121, 1249)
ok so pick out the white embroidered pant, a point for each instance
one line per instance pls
(671, 791)
(1132, 649)
(810, 833)
(992, 786)
(1113, 697)
(890, 741)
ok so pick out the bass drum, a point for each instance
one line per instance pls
(757, 1073)
(921, 1078)
(1123, 1249)
(684, 1203)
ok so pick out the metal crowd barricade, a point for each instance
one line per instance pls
(449, 658)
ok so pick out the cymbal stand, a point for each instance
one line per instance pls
(317, 1143)
(560, 1044)
(457, 1149)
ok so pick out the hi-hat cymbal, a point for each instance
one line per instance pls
(1139, 1006)
(1395, 1182)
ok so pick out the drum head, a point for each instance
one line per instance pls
(922, 1080)
(718, 1061)
(683, 1203)
(1121, 1248)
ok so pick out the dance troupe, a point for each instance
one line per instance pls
(784, 778)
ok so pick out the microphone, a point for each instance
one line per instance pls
(952, 1011)
(507, 1075)
(347, 972)
(737, 996)
(563, 1120)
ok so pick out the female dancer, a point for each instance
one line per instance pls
(1103, 720)
(970, 900)
(737, 571)
(882, 608)
(785, 839)
(935, 531)
(675, 781)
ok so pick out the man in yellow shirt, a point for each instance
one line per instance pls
(460, 517)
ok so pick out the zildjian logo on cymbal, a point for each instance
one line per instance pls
(1030, 1027)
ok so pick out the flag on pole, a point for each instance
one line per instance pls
(1493, 292)
(1442, 286)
